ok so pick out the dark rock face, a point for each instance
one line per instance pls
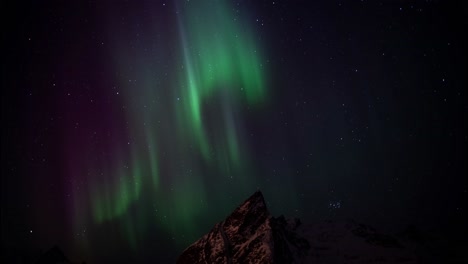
(352, 242)
(249, 235)
(285, 235)
(372, 237)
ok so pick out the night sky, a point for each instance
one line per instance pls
(129, 128)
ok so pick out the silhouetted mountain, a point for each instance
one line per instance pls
(352, 242)
(249, 235)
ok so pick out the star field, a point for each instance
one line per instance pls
(134, 126)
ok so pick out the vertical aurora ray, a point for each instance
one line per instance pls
(221, 63)
(182, 129)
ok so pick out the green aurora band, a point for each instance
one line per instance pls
(181, 127)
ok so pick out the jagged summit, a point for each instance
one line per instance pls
(249, 235)
(255, 204)
(257, 197)
(251, 214)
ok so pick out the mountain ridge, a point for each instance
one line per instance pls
(249, 235)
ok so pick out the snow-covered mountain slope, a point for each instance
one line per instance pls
(249, 235)
(351, 242)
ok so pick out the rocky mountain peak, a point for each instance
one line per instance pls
(249, 235)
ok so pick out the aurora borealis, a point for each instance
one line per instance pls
(176, 128)
(130, 127)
